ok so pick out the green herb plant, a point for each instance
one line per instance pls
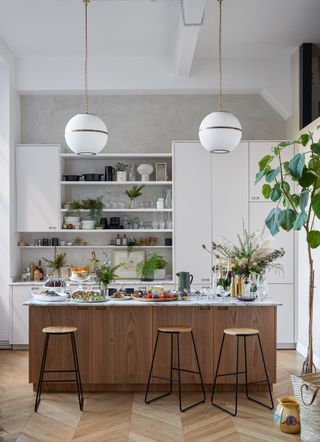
(294, 187)
(146, 268)
(133, 193)
(95, 206)
(107, 274)
(59, 260)
(75, 208)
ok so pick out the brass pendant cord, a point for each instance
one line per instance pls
(220, 55)
(86, 2)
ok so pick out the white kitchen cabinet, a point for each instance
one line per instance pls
(230, 206)
(192, 211)
(38, 189)
(284, 293)
(20, 314)
(258, 150)
(258, 214)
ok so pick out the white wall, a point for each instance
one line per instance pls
(9, 134)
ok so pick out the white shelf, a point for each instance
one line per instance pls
(115, 183)
(94, 247)
(102, 156)
(114, 231)
(120, 210)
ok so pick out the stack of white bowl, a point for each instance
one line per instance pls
(88, 224)
(72, 220)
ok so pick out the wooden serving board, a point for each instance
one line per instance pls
(156, 299)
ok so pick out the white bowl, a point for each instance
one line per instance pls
(72, 219)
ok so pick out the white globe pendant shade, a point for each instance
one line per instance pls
(220, 132)
(86, 134)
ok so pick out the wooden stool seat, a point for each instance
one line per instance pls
(241, 331)
(57, 330)
(176, 329)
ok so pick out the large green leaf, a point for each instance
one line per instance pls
(272, 221)
(260, 175)
(286, 219)
(304, 196)
(265, 161)
(304, 139)
(266, 189)
(296, 165)
(315, 147)
(314, 164)
(285, 187)
(301, 219)
(307, 178)
(275, 193)
(315, 204)
(272, 175)
(313, 238)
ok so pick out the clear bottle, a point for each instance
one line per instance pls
(124, 240)
(132, 173)
(118, 240)
(168, 199)
(162, 222)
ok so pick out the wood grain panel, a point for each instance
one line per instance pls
(60, 350)
(261, 318)
(201, 321)
(122, 344)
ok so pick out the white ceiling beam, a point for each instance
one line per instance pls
(192, 12)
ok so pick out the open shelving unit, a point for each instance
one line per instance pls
(99, 240)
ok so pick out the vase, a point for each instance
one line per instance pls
(286, 415)
(168, 200)
(121, 175)
(159, 274)
(132, 173)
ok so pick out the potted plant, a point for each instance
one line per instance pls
(106, 274)
(121, 171)
(59, 260)
(73, 214)
(294, 186)
(146, 269)
(95, 206)
(160, 267)
(133, 193)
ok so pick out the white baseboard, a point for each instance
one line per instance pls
(302, 349)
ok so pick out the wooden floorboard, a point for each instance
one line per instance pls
(122, 417)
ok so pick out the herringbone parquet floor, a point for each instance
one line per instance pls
(121, 417)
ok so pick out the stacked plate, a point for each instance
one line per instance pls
(88, 224)
(72, 219)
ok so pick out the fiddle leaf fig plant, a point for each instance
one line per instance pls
(294, 186)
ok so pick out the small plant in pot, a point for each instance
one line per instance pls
(152, 268)
(55, 265)
(106, 275)
(121, 171)
(95, 206)
(133, 193)
(72, 216)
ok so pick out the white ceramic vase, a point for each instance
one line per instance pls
(121, 175)
(145, 170)
(159, 274)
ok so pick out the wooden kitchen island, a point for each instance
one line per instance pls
(115, 341)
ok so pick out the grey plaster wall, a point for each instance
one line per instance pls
(145, 123)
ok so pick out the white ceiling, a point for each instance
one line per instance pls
(134, 43)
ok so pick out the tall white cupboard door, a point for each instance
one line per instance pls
(192, 210)
(258, 214)
(38, 186)
(284, 293)
(230, 193)
(258, 150)
(20, 315)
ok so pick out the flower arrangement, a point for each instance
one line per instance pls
(253, 254)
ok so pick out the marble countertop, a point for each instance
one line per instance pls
(192, 303)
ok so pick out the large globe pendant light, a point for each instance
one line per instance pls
(220, 132)
(86, 133)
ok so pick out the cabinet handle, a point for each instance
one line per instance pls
(205, 307)
(82, 308)
(205, 279)
(53, 227)
(255, 197)
(223, 308)
(100, 308)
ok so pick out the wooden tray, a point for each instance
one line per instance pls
(156, 299)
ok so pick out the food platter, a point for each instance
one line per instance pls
(87, 297)
(157, 299)
(49, 296)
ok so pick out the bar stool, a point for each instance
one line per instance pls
(57, 330)
(245, 333)
(175, 331)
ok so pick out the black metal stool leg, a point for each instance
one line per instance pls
(245, 364)
(237, 379)
(77, 371)
(179, 371)
(217, 371)
(158, 377)
(40, 382)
